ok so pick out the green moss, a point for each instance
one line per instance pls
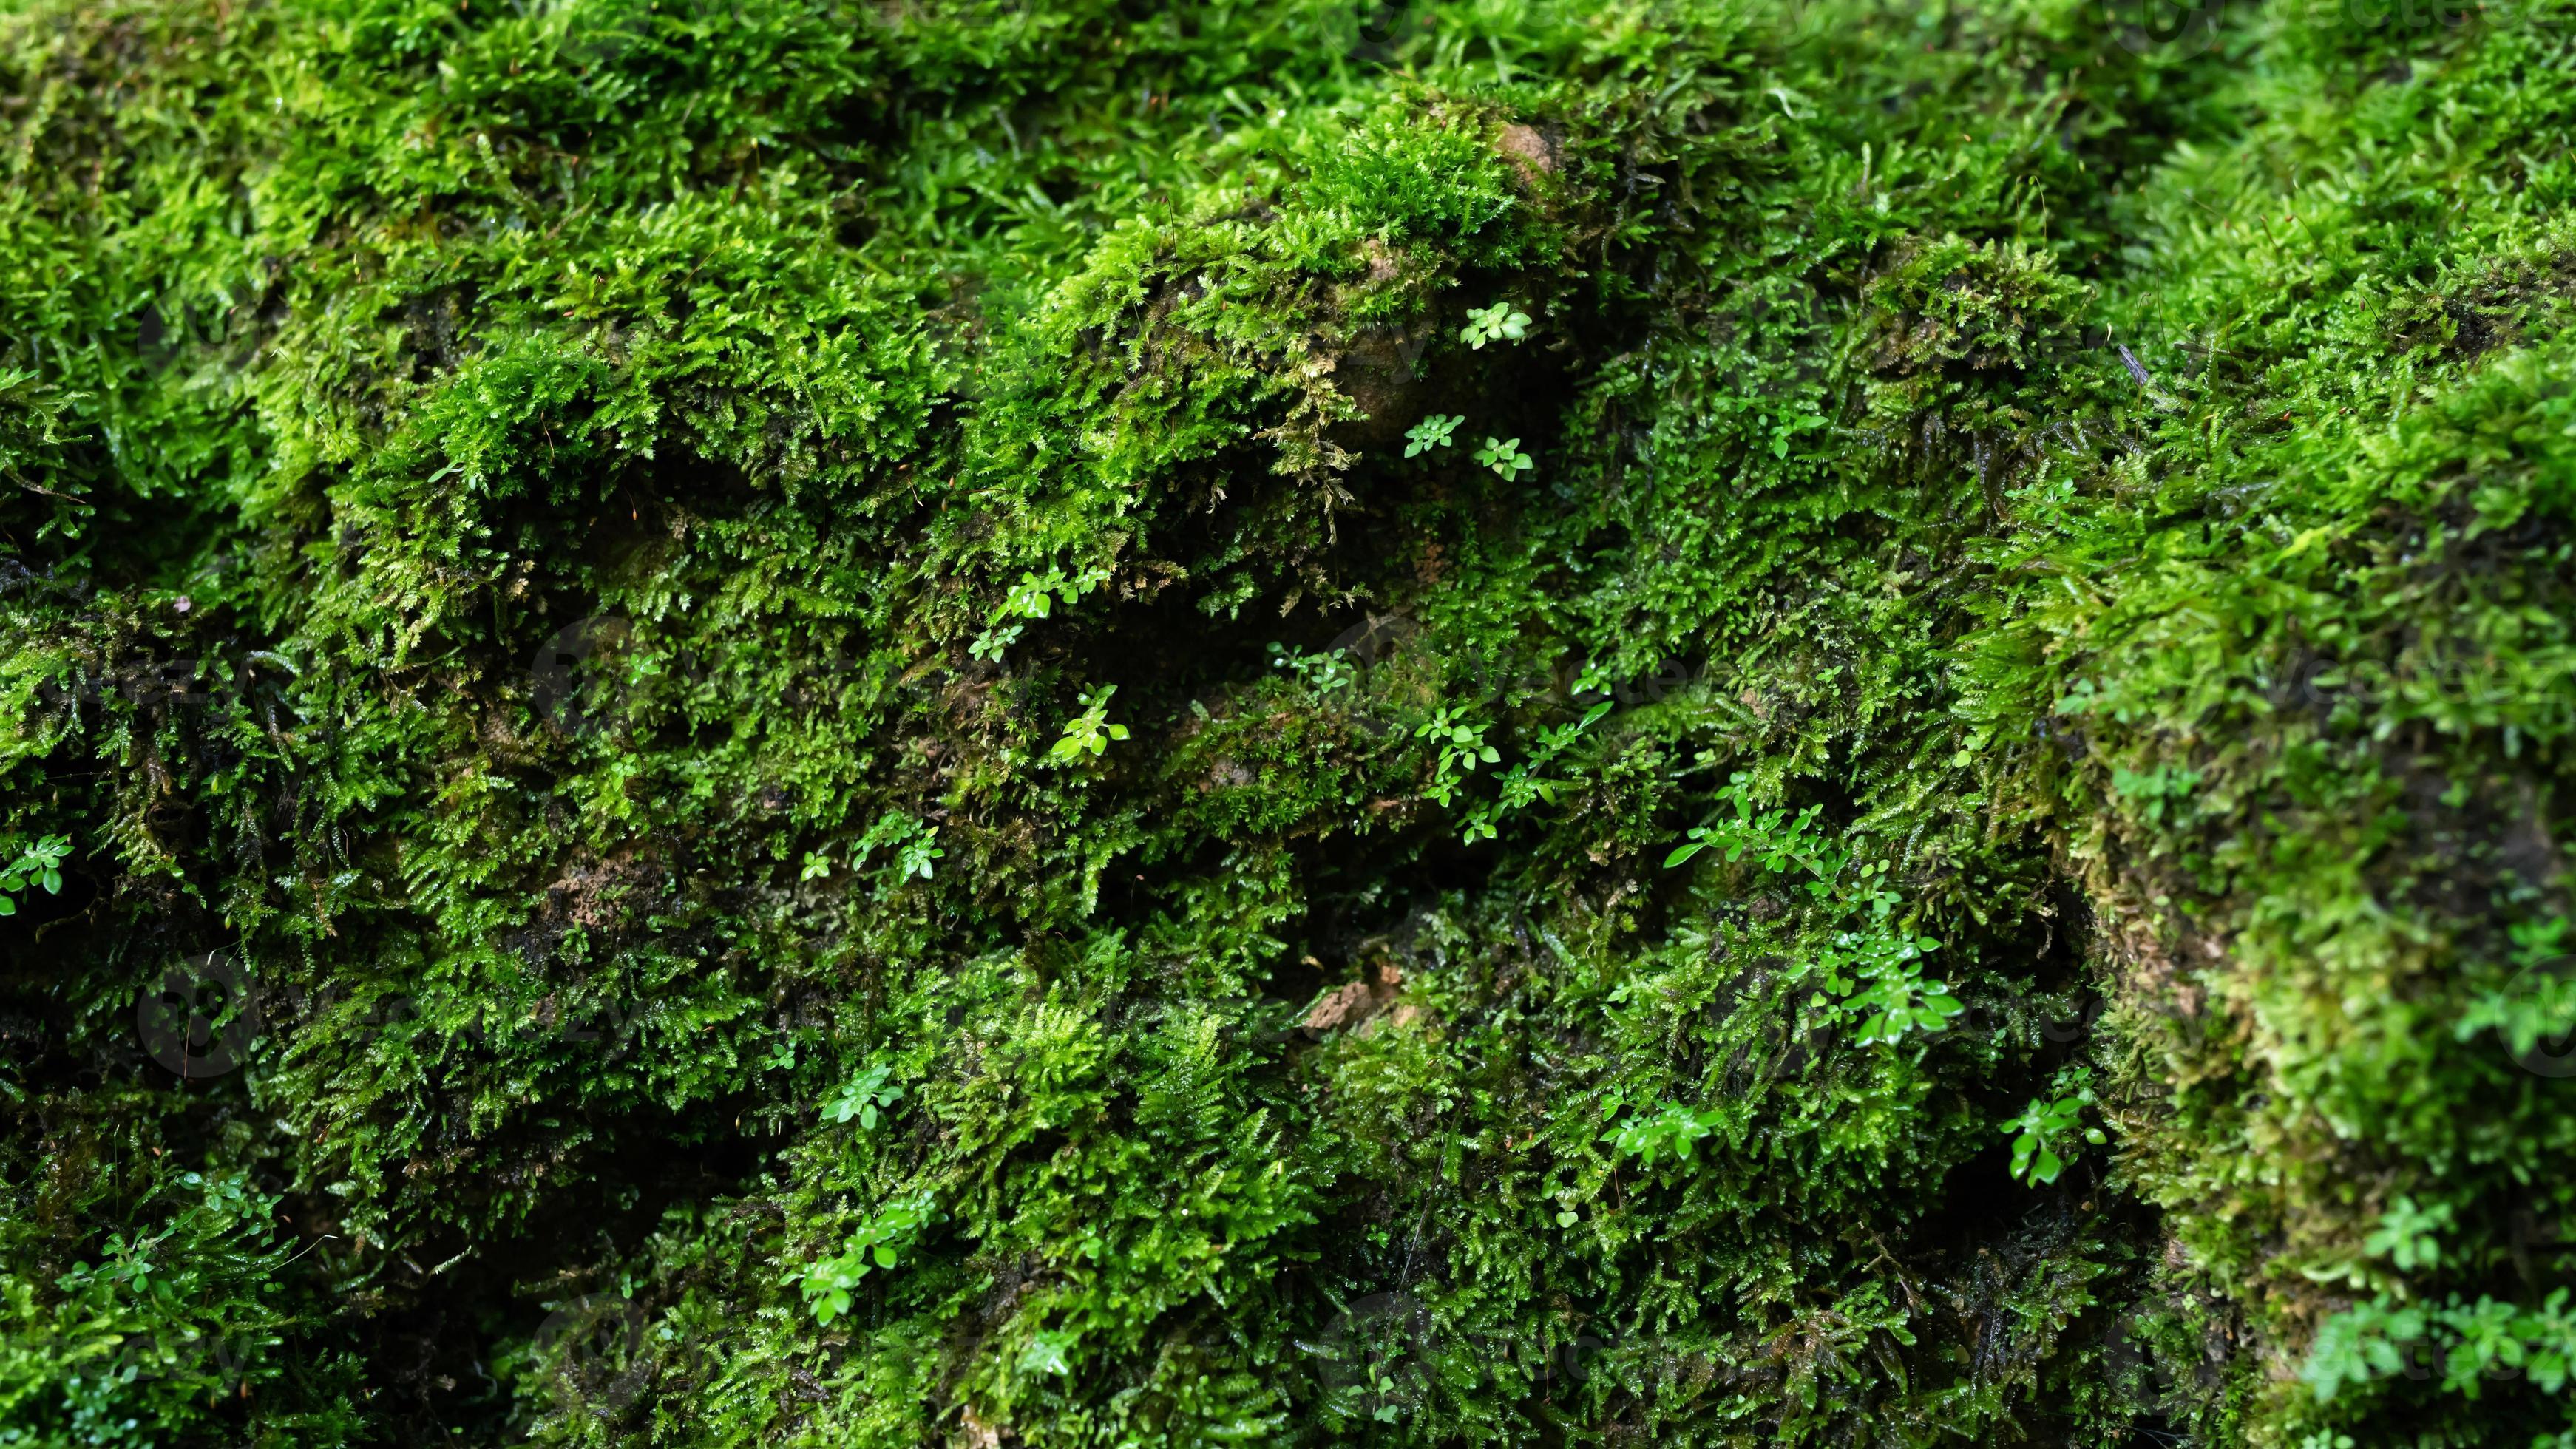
(554, 550)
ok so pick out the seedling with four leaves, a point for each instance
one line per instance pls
(1033, 597)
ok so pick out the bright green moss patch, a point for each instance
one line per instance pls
(761, 722)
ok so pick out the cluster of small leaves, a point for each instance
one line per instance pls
(1032, 596)
(1672, 1131)
(2467, 1348)
(1090, 730)
(1875, 977)
(1773, 839)
(1458, 748)
(912, 841)
(2043, 1136)
(864, 1098)
(38, 864)
(1530, 782)
(877, 1244)
(1325, 672)
(1500, 322)
(1504, 457)
(1430, 433)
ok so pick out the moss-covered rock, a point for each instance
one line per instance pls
(753, 721)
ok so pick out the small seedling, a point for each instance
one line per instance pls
(1499, 322)
(877, 1244)
(1325, 672)
(913, 841)
(989, 644)
(863, 1098)
(2406, 1234)
(2043, 1126)
(39, 864)
(1505, 457)
(917, 854)
(1462, 747)
(1432, 432)
(1091, 730)
(1673, 1132)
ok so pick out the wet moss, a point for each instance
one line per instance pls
(1074, 724)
